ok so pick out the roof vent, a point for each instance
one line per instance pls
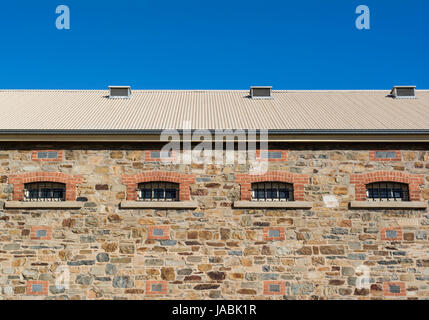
(261, 92)
(403, 92)
(120, 92)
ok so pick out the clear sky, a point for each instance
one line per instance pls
(222, 44)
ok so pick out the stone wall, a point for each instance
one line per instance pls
(215, 251)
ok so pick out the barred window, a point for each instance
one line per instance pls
(387, 191)
(44, 191)
(158, 191)
(272, 191)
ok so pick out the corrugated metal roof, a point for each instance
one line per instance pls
(211, 109)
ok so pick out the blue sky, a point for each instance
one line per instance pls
(196, 44)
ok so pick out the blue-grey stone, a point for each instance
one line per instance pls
(198, 214)
(339, 230)
(387, 262)
(302, 289)
(111, 269)
(421, 235)
(57, 289)
(356, 256)
(103, 257)
(168, 242)
(103, 279)
(351, 281)
(81, 263)
(84, 279)
(330, 236)
(235, 253)
(122, 282)
(87, 239)
(268, 276)
(11, 246)
(90, 205)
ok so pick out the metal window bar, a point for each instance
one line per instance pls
(158, 191)
(272, 191)
(387, 191)
(44, 191)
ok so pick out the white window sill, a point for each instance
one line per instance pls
(273, 204)
(388, 204)
(43, 205)
(159, 205)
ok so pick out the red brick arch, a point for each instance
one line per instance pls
(361, 180)
(183, 179)
(298, 180)
(19, 180)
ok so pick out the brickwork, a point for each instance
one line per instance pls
(413, 180)
(373, 157)
(41, 233)
(215, 251)
(19, 180)
(59, 153)
(298, 181)
(184, 180)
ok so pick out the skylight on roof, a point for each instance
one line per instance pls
(403, 92)
(120, 92)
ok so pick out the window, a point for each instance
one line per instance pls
(272, 191)
(387, 191)
(47, 155)
(403, 92)
(44, 191)
(158, 191)
(385, 155)
(159, 155)
(271, 155)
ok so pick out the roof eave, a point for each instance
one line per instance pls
(316, 135)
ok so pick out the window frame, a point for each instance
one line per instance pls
(158, 185)
(44, 185)
(389, 191)
(274, 185)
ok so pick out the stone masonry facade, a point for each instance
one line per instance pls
(216, 251)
